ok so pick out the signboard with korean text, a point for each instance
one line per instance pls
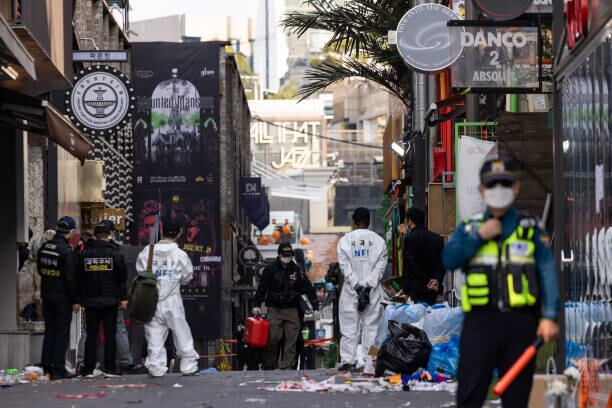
(498, 57)
(99, 56)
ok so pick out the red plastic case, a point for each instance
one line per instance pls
(256, 332)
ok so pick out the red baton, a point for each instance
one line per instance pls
(517, 367)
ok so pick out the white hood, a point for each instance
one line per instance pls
(171, 266)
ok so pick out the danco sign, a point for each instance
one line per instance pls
(498, 57)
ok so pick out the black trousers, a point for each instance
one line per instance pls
(492, 339)
(108, 317)
(57, 315)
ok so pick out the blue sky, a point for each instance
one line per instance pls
(145, 9)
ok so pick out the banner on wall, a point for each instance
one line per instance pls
(472, 153)
(176, 157)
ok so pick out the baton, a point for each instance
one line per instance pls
(517, 367)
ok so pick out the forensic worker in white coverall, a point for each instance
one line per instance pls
(173, 268)
(362, 255)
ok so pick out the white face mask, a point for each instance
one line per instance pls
(499, 196)
(286, 259)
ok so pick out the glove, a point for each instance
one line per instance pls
(256, 311)
(316, 315)
(364, 299)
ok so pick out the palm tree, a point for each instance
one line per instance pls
(359, 31)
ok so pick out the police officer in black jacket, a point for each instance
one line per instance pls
(103, 276)
(57, 265)
(281, 286)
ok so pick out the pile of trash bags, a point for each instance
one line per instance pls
(414, 336)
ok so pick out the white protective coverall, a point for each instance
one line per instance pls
(173, 268)
(362, 255)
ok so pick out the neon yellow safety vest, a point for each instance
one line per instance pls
(502, 274)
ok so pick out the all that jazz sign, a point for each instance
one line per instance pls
(498, 57)
(101, 101)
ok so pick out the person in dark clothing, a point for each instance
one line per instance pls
(103, 276)
(280, 286)
(57, 266)
(300, 260)
(423, 269)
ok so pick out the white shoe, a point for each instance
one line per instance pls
(193, 374)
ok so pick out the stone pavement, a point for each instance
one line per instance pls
(210, 390)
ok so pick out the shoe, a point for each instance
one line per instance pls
(347, 367)
(134, 369)
(62, 376)
(192, 374)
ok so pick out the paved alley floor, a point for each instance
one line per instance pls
(209, 390)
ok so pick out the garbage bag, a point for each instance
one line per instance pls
(444, 358)
(405, 351)
(442, 322)
(400, 313)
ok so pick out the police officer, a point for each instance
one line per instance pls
(103, 276)
(57, 266)
(280, 286)
(510, 293)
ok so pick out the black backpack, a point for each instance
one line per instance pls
(143, 296)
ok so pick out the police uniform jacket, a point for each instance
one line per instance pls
(281, 285)
(102, 274)
(57, 265)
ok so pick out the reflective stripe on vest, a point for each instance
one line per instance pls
(519, 282)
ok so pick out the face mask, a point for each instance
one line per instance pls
(499, 196)
(286, 259)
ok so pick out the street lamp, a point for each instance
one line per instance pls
(398, 149)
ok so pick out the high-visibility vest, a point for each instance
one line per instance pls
(502, 274)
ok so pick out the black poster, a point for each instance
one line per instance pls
(176, 157)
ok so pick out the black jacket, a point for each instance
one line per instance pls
(281, 285)
(57, 264)
(422, 262)
(102, 274)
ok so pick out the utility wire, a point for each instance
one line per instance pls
(369, 146)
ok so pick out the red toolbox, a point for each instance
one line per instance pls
(256, 331)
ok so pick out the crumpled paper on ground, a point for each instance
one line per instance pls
(373, 385)
(427, 386)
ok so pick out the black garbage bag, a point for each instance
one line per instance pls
(405, 350)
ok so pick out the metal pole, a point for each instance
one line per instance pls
(559, 187)
(267, 11)
(472, 104)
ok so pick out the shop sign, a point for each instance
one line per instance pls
(501, 10)
(498, 58)
(101, 101)
(540, 6)
(92, 216)
(424, 40)
(97, 56)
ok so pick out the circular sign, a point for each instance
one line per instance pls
(101, 100)
(502, 10)
(424, 40)
(249, 256)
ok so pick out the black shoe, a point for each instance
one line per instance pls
(134, 369)
(347, 367)
(62, 376)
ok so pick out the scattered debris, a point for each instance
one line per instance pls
(177, 385)
(100, 394)
(122, 385)
(255, 400)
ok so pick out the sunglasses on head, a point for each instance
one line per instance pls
(504, 183)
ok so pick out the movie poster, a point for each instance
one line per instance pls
(176, 157)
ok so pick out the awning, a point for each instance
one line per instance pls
(254, 201)
(47, 78)
(13, 53)
(38, 116)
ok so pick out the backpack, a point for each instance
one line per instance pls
(143, 296)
